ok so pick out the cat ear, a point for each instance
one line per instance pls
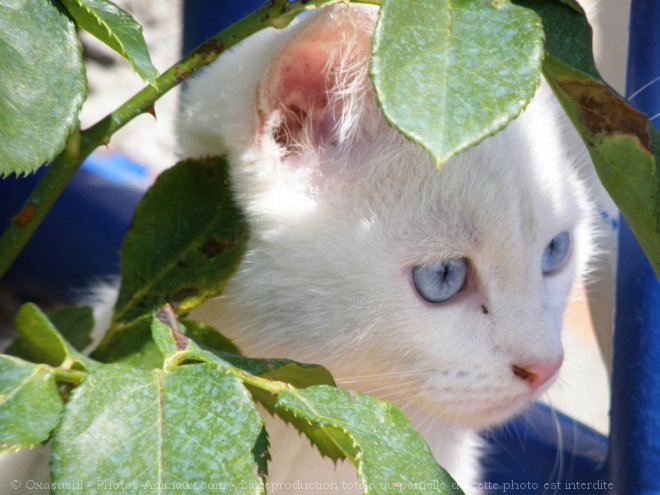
(314, 82)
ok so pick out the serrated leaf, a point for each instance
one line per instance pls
(74, 323)
(375, 435)
(156, 353)
(208, 337)
(568, 34)
(300, 376)
(619, 139)
(296, 374)
(186, 240)
(43, 84)
(30, 405)
(44, 343)
(131, 344)
(167, 334)
(117, 29)
(179, 430)
(449, 73)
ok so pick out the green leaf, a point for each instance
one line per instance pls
(376, 436)
(75, 324)
(131, 344)
(620, 141)
(449, 73)
(186, 240)
(167, 334)
(573, 4)
(620, 146)
(30, 405)
(208, 337)
(300, 376)
(568, 35)
(43, 83)
(179, 430)
(117, 29)
(275, 370)
(171, 344)
(44, 343)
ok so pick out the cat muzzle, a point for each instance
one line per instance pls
(538, 374)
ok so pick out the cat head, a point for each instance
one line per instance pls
(444, 287)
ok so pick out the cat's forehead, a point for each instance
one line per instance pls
(515, 185)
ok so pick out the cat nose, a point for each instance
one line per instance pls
(538, 374)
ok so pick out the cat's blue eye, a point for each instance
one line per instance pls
(439, 281)
(555, 252)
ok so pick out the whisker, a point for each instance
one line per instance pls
(386, 374)
(392, 386)
(407, 404)
(396, 396)
(425, 419)
(558, 467)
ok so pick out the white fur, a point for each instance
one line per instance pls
(336, 229)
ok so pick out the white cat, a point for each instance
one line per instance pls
(442, 291)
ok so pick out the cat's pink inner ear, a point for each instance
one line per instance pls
(306, 89)
(297, 86)
(303, 86)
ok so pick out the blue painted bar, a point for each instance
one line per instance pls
(203, 19)
(79, 241)
(635, 417)
(635, 410)
(643, 76)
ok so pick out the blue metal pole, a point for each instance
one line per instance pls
(78, 243)
(635, 412)
(202, 19)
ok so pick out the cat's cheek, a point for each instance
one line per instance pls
(500, 413)
(492, 413)
(477, 416)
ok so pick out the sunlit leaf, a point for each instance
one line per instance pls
(449, 73)
(377, 438)
(43, 83)
(44, 343)
(186, 240)
(622, 144)
(117, 29)
(190, 430)
(30, 405)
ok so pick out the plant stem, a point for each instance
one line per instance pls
(273, 386)
(41, 199)
(70, 376)
(196, 354)
(276, 13)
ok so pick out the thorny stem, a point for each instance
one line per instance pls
(39, 203)
(275, 13)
